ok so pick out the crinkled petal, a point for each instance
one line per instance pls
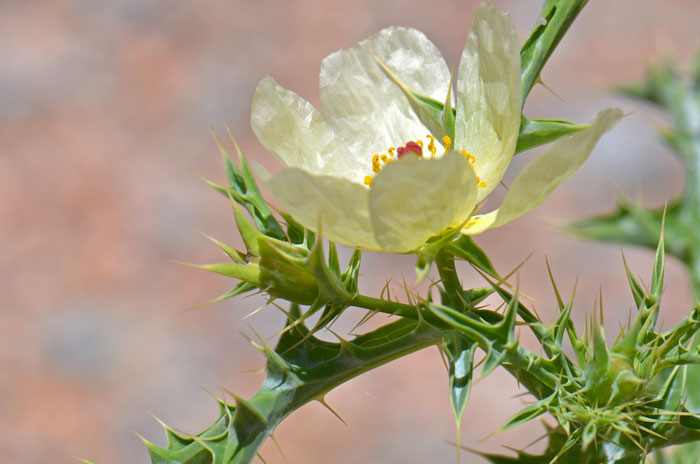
(545, 173)
(413, 199)
(488, 95)
(292, 129)
(339, 206)
(364, 105)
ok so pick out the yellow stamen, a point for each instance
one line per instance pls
(391, 151)
(431, 146)
(376, 167)
(469, 157)
(368, 180)
(420, 143)
(447, 141)
(384, 158)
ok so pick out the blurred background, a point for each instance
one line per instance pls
(105, 116)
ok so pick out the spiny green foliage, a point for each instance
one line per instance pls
(678, 94)
(618, 404)
(611, 404)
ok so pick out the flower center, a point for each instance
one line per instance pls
(416, 148)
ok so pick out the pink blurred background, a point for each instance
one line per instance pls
(105, 116)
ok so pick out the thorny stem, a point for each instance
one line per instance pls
(445, 264)
(538, 380)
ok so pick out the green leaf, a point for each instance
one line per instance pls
(245, 191)
(537, 132)
(283, 272)
(430, 112)
(428, 253)
(597, 373)
(684, 454)
(328, 279)
(296, 233)
(633, 224)
(657, 277)
(246, 272)
(448, 114)
(464, 247)
(460, 356)
(690, 422)
(439, 118)
(637, 290)
(589, 434)
(529, 413)
(352, 273)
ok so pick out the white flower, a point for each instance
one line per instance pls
(335, 175)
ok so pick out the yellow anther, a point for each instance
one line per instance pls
(482, 184)
(420, 143)
(385, 158)
(431, 146)
(391, 151)
(468, 157)
(368, 180)
(447, 141)
(375, 159)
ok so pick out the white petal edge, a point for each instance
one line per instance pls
(488, 95)
(545, 173)
(338, 206)
(296, 133)
(413, 199)
(361, 102)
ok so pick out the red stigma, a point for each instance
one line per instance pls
(411, 147)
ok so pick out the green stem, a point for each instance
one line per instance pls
(393, 308)
(445, 264)
(558, 15)
(299, 371)
(518, 361)
(533, 376)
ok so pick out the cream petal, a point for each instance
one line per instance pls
(488, 95)
(292, 129)
(545, 173)
(338, 205)
(364, 105)
(413, 199)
